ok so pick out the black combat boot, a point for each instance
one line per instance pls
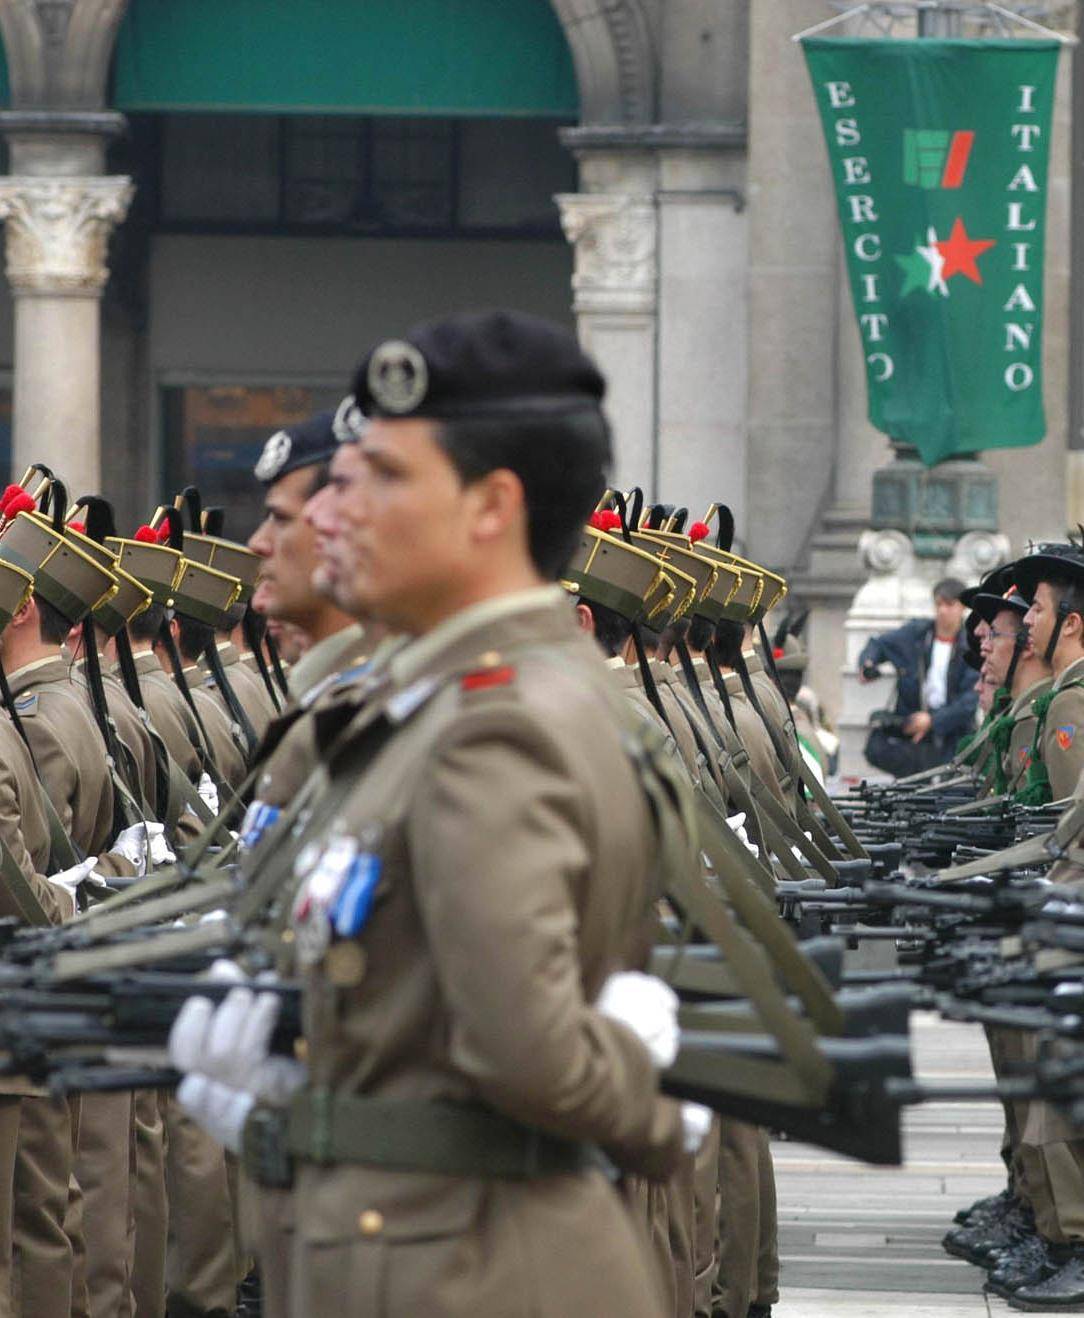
(1062, 1291)
(1021, 1265)
(977, 1243)
(991, 1208)
(759, 1311)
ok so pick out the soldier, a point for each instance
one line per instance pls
(225, 740)
(1012, 666)
(293, 468)
(1053, 580)
(470, 1011)
(67, 748)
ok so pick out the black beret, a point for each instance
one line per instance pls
(488, 363)
(303, 445)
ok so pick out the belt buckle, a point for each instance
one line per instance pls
(265, 1154)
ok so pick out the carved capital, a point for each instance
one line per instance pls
(57, 230)
(615, 237)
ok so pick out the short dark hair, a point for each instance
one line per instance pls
(193, 637)
(561, 462)
(727, 642)
(949, 588)
(145, 626)
(701, 632)
(612, 629)
(54, 626)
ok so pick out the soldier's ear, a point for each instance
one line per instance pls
(585, 619)
(499, 503)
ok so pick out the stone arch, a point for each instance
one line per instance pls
(613, 53)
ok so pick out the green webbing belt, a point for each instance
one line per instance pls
(752, 972)
(411, 1135)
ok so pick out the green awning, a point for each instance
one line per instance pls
(397, 57)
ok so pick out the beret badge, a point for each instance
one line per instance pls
(275, 455)
(398, 377)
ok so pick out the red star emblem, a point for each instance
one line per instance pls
(960, 252)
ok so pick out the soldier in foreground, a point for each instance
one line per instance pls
(473, 1038)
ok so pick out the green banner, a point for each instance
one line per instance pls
(939, 151)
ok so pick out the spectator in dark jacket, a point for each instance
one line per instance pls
(935, 691)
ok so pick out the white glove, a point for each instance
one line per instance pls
(648, 1007)
(221, 1111)
(737, 826)
(231, 1044)
(695, 1123)
(70, 879)
(160, 850)
(132, 844)
(208, 792)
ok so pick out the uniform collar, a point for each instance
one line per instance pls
(1024, 699)
(339, 650)
(753, 661)
(1070, 674)
(481, 631)
(53, 668)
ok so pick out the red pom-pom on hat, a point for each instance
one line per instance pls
(19, 503)
(699, 531)
(606, 520)
(147, 535)
(81, 527)
(8, 495)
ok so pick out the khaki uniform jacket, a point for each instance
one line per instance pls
(757, 741)
(516, 848)
(24, 829)
(225, 746)
(134, 737)
(169, 715)
(1023, 732)
(248, 688)
(24, 832)
(1063, 736)
(321, 678)
(68, 752)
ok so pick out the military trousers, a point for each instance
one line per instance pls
(151, 1208)
(201, 1252)
(105, 1168)
(43, 1256)
(748, 1227)
(267, 1231)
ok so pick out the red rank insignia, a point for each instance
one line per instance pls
(485, 678)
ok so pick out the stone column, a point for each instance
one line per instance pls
(56, 235)
(615, 239)
(703, 327)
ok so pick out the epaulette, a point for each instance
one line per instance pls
(26, 706)
(490, 673)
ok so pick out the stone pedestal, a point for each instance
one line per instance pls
(899, 586)
(56, 233)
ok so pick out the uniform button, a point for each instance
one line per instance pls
(371, 1223)
(287, 935)
(301, 1050)
(490, 659)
